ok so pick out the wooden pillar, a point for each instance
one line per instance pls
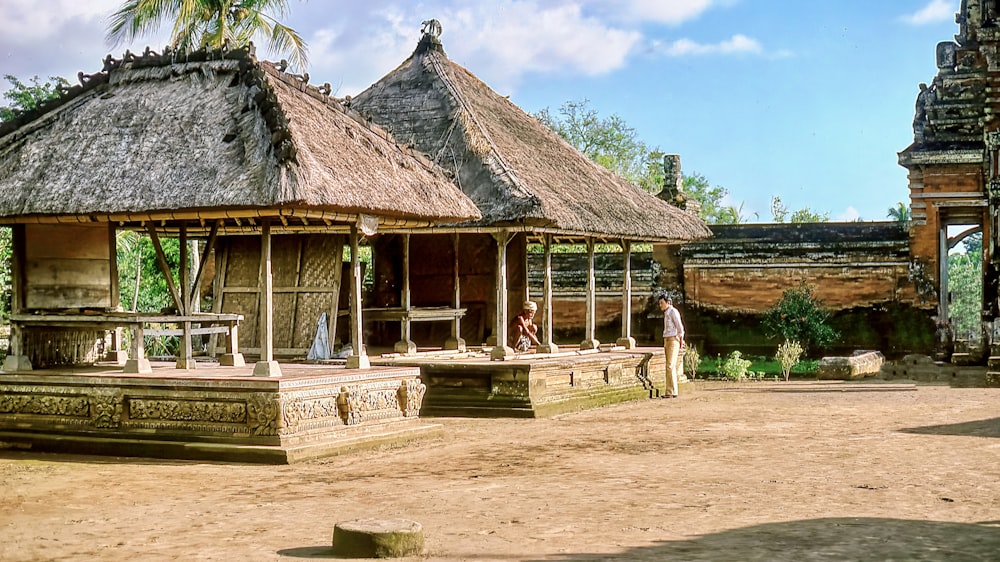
(455, 341)
(501, 351)
(359, 357)
(590, 341)
(627, 341)
(185, 356)
(266, 366)
(548, 346)
(17, 360)
(405, 345)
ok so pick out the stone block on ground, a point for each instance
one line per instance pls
(860, 364)
(378, 538)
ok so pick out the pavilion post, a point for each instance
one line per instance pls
(548, 346)
(185, 355)
(405, 345)
(266, 366)
(359, 356)
(501, 351)
(17, 360)
(590, 341)
(627, 341)
(455, 341)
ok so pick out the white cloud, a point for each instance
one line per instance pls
(737, 44)
(671, 12)
(849, 214)
(936, 11)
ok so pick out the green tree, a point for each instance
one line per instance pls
(900, 213)
(25, 97)
(799, 315)
(710, 198)
(965, 285)
(808, 215)
(210, 23)
(779, 212)
(608, 141)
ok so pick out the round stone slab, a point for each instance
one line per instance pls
(378, 538)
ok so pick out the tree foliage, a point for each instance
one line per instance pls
(25, 97)
(900, 213)
(799, 315)
(210, 23)
(779, 212)
(965, 285)
(136, 254)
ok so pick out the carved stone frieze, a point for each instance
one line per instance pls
(298, 410)
(106, 408)
(262, 414)
(187, 410)
(44, 404)
(411, 397)
(349, 403)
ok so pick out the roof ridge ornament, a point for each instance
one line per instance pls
(431, 27)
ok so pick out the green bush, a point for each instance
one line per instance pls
(787, 356)
(799, 316)
(735, 367)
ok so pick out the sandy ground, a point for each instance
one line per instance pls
(763, 471)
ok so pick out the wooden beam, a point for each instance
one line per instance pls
(161, 260)
(501, 350)
(547, 313)
(204, 257)
(266, 328)
(590, 341)
(359, 359)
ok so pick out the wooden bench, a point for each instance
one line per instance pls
(414, 314)
(137, 363)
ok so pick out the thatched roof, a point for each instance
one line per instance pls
(210, 131)
(515, 168)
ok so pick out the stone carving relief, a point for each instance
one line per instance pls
(262, 414)
(187, 411)
(106, 409)
(298, 410)
(12, 402)
(946, 56)
(349, 403)
(411, 396)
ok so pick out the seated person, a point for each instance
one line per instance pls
(523, 330)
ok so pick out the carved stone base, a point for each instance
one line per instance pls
(232, 360)
(502, 353)
(358, 362)
(627, 343)
(405, 347)
(266, 369)
(16, 363)
(589, 344)
(548, 348)
(457, 344)
(137, 367)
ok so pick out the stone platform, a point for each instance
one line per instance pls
(212, 412)
(923, 369)
(533, 384)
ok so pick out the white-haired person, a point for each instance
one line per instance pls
(523, 330)
(673, 341)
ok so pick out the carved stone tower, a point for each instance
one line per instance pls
(954, 172)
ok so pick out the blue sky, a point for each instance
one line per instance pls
(809, 101)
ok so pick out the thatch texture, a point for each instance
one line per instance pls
(516, 169)
(219, 130)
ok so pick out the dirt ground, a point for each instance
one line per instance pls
(763, 471)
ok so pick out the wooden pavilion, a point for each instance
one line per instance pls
(277, 177)
(531, 187)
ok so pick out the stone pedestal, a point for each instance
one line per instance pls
(548, 348)
(358, 362)
(378, 538)
(627, 343)
(589, 344)
(186, 363)
(502, 353)
(14, 363)
(118, 357)
(232, 360)
(266, 369)
(137, 367)
(456, 344)
(405, 347)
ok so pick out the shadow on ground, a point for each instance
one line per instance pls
(981, 428)
(827, 539)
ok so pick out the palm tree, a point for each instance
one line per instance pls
(900, 213)
(210, 23)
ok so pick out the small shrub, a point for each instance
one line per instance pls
(691, 361)
(799, 315)
(788, 356)
(735, 367)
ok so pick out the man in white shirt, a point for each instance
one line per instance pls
(673, 340)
